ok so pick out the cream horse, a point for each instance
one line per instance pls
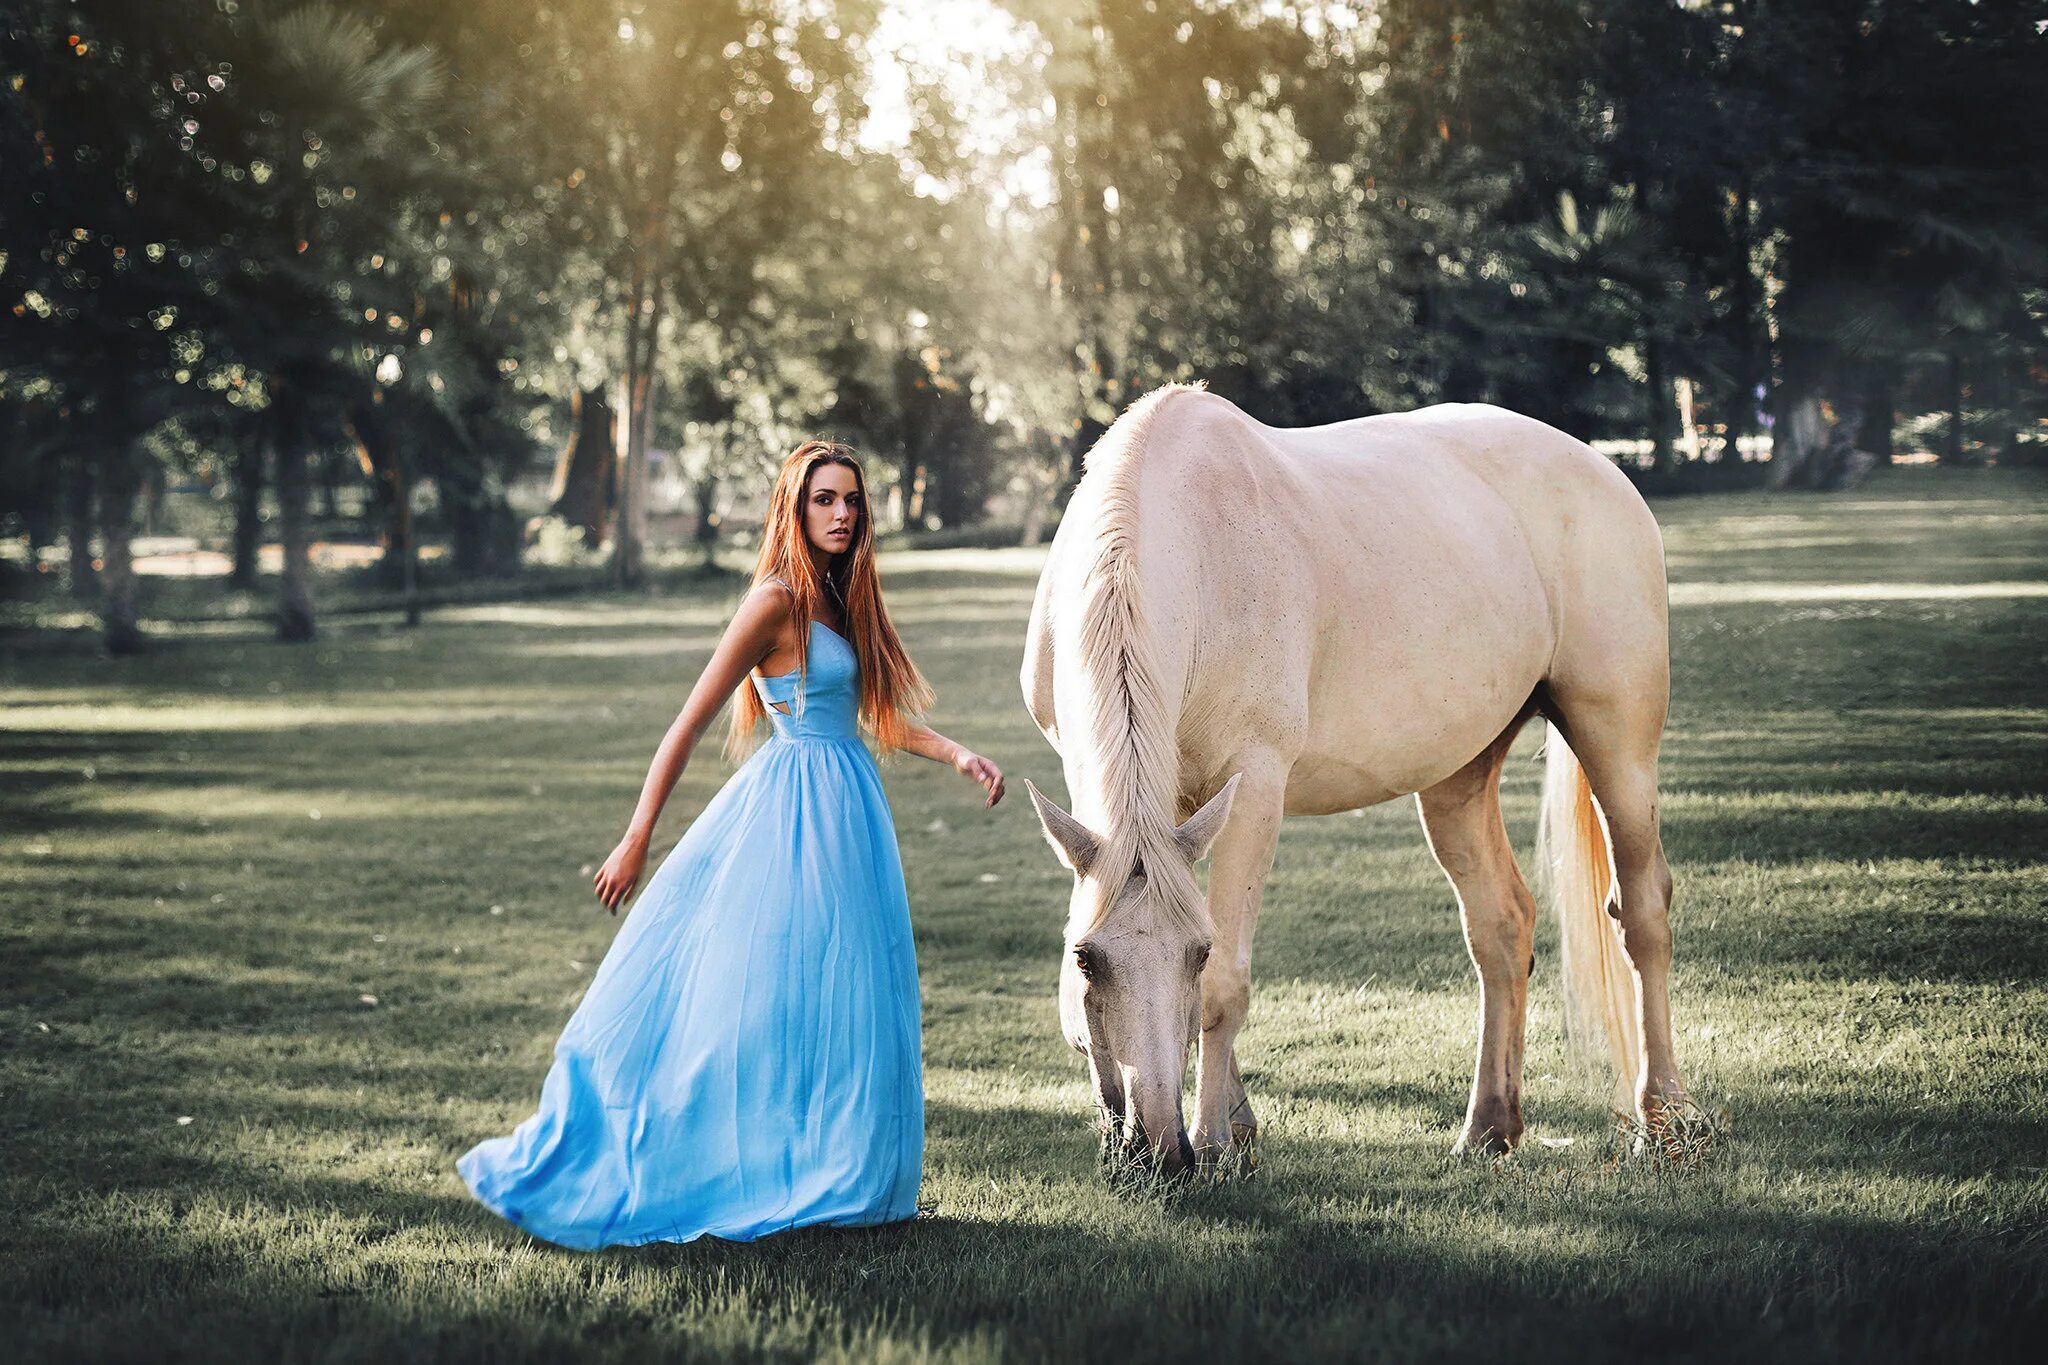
(1237, 623)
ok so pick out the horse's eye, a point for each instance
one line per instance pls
(1084, 958)
(1201, 957)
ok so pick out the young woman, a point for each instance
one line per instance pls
(747, 1056)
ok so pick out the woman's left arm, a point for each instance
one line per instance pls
(928, 743)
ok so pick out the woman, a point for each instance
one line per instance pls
(747, 1056)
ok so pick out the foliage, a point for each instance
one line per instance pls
(966, 235)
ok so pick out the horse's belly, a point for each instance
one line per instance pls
(1323, 784)
(1405, 753)
(1406, 704)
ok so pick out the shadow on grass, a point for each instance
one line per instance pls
(1886, 943)
(2004, 837)
(1293, 1265)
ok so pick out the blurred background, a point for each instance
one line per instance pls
(410, 300)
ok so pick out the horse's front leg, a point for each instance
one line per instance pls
(1238, 864)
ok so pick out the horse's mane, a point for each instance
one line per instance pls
(1131, 729)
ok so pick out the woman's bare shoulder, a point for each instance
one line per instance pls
(767, 605)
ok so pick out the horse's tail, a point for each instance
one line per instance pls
(1576, 858)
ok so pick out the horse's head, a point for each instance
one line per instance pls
(1130, 988)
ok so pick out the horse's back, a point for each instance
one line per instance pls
(1365, 597)
(1378, 598)
(1587, 530)
(1446, 451)
(1380, 499)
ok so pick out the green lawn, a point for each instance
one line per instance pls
(287, 929)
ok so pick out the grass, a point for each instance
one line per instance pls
(329, 904)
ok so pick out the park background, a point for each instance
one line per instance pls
(387, 396)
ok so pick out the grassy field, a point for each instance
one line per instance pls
(287, 929)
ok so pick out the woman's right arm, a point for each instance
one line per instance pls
(753, 634)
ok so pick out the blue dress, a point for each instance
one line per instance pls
(746, 1058)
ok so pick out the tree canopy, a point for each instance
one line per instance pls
(281, 242)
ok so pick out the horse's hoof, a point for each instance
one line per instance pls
(1238, 1161)
(1485, 1141)
(1672, 1131)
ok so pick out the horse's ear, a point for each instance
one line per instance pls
(1069, 837)
(1199, 830)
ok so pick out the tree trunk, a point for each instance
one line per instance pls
(1082, 259)
(643, 341)
(1879, 413)
(295, 621)
(78, 524)
(706, 491)
(330, 488)
(117, 488)
(2010, 388)
(42, 494)
(910, 484)
(586, 483)
(401, 564)
(1954, 452)
(391, 476)
(248, 487)
(626, 562)
(154, 491)
(39, 518)
(483, 534)
(1749, 367)
(629, 543)
(409, 562)
(629, 552)
(1657, 405)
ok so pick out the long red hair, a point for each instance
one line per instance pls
(892, 691)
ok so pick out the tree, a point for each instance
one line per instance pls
(703, 129)
(1902, 182)
(98, 256)
(327, 117)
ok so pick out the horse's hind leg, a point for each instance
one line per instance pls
(1615, 735)
(1461, 815)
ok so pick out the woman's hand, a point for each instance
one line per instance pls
(971, 764)
(620, 873)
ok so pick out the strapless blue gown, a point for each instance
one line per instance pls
(746, 1059)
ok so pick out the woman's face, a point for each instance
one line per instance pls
(832, 508)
